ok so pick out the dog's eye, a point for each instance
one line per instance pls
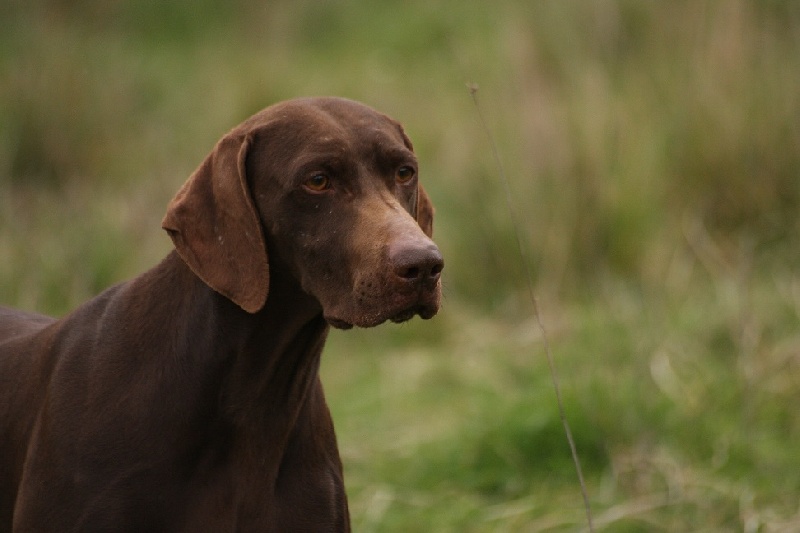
(318, 183)
(405, 174)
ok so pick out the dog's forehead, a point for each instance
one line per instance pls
(329, 121)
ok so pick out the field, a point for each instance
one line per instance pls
(652, 150)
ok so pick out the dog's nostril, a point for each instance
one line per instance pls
(410, 273)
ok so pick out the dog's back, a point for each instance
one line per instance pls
(17, 367)
(16, 323)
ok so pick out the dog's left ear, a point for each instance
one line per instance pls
(216, 229)
(424, 211)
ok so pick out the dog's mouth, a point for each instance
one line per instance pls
(367, 310)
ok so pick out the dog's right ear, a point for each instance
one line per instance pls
(216, 229)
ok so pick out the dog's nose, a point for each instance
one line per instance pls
(416, 261)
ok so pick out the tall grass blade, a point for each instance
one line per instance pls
(473, 91)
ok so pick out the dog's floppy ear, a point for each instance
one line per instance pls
(216, 229)
(425, 210)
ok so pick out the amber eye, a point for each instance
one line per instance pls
(318, 183)
(405, 174)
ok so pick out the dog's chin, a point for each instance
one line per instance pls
(370, 321)
(338, 323)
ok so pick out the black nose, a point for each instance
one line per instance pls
(416, 261)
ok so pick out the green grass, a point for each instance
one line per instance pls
(652, 151)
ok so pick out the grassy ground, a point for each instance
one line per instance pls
(653, 153)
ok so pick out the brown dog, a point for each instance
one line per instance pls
(188, 399)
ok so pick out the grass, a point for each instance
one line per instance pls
(652, 151)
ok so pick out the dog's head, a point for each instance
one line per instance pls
(326, 189)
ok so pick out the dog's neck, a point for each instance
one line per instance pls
(268, 361)
(277, 352)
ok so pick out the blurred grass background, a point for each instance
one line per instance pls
(653, 150)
